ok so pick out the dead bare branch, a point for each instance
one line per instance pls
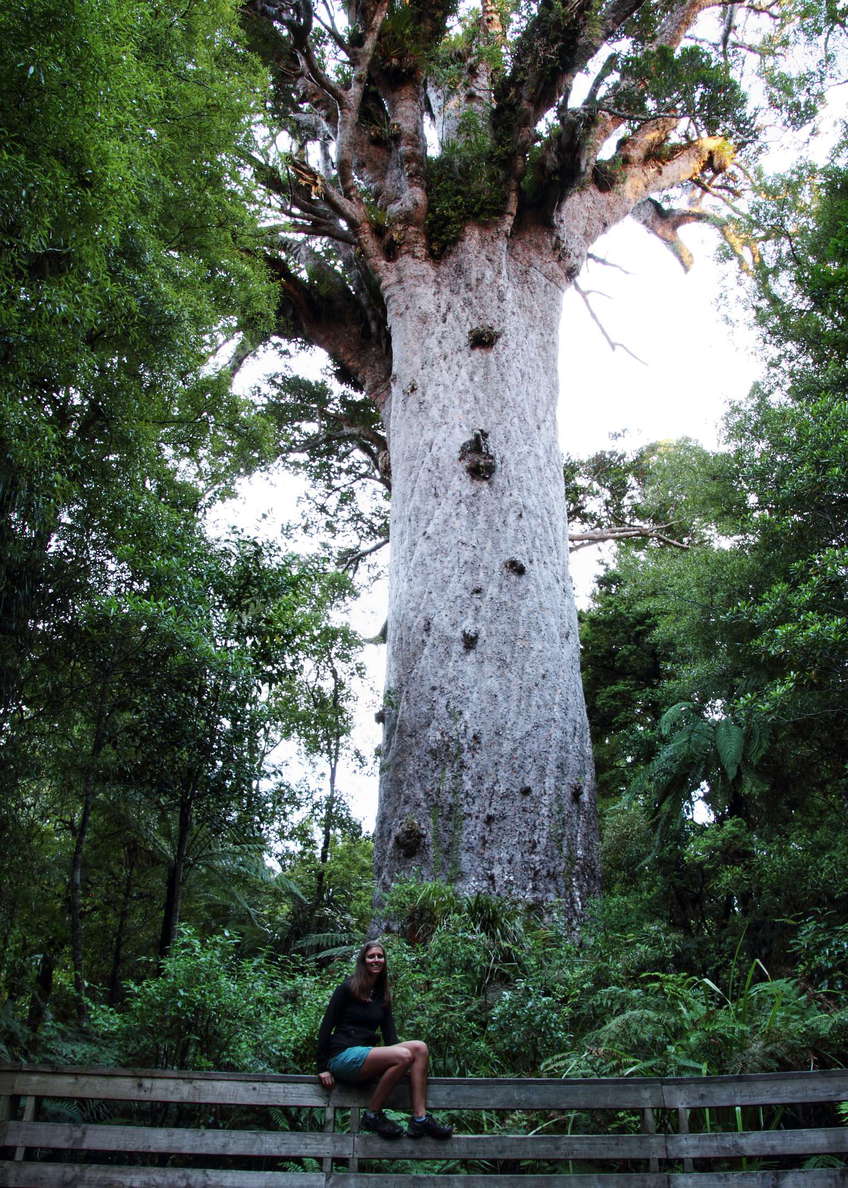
(594, 536)
(350, 560)
(607, 263)
(613, 345)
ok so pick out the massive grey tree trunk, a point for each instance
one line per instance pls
(486, 774)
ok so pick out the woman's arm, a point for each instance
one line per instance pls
(390, 1035)
(332, 1017)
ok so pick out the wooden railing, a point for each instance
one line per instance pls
(150, 1129)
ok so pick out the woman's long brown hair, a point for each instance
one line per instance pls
(360, 983)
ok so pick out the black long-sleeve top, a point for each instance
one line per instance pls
(349, 1022)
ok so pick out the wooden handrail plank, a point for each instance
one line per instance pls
(162, 1074)
(76, 1175)
(756, 1089)
(825, 1140)
(528, 1095)
(81, 1175)
(175, 1140)
(506, 1146)
(187, 1089)
(513, 1180)
(456, 1093)
(814, 1177)
(444, 1093)
(186, 1141)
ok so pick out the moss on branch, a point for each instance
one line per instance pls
(465, 184)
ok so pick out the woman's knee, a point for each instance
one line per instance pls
(418, 1049)
(403, 1055)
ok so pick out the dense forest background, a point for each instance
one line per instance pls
(172, 892)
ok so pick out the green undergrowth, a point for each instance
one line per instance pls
(496, 991)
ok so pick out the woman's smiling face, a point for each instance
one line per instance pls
(375, 960)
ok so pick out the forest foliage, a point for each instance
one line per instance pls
(175, 893)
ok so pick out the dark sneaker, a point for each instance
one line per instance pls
(380, 1124)
(428, 1126)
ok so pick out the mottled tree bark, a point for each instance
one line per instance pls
(486, 775)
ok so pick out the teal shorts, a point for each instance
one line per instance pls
(347, 1064)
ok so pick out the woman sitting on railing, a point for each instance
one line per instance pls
(348, 1051)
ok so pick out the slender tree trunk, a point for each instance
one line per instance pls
(26, 530)
(487, 778)
(176, 877)
(121, 926)
(75, 876)
(75, 896)
(41, 994)
(324, 854)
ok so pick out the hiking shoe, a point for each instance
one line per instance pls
(428, 1126)
(380, 1124)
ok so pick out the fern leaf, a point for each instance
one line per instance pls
(729, 741)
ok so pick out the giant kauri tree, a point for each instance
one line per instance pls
(441, 172)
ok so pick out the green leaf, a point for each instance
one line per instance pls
(730, 742)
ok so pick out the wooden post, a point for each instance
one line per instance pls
(329, 1127)
(683, 1128)
(28, 1116)
(649, 1126)
(353, 1162)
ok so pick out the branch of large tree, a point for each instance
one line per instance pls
(543, 65)
(330, 27)
(319, 210)
(397, 73)
(351, 559)
(369, 441)
(681, 18)
(295, 58)
(649, 175)
(613, 345)
(582, 540)
(595, 259)
(319, 228)
(542, 59)
(244, 348)
(573, 147)
(587, 212)
(351, 102)
(282, 55)
(599, 33)
(326, 312)
(664, 222)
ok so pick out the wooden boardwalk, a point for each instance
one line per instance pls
(159, 1129)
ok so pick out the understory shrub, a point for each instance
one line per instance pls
(207, 1009)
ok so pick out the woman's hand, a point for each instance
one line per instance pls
(326, 1079)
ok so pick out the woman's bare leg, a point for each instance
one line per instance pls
(390, 1065)
(418, 1076)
